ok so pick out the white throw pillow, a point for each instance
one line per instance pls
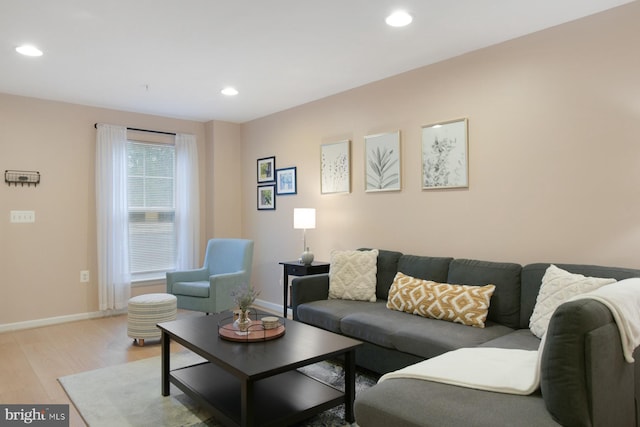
(352, 275)
(558, 286)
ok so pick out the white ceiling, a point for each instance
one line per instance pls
(172, 57)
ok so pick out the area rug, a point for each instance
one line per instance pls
(128, 395)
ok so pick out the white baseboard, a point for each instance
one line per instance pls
(28, 324)
(36, 323)
(271, 307)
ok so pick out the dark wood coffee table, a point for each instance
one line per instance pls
(247, 384)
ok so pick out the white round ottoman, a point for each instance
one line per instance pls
(144, 311)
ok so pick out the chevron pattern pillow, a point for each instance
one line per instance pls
(464, 304)
(557, 287)
(352, 275)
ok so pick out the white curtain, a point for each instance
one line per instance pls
(187, 203)
(114, 280)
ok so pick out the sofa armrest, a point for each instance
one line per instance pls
(308, 288)
(585, 379)
(196, 275)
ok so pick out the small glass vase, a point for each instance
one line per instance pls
(243, 322)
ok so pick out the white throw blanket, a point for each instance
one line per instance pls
(623, 300)
(484, 368)
(518, 371)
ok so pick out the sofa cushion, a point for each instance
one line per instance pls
(413, 402)
(463, 304)
(372, 323)
(352, 275)
(192, 289)
(521, 339)
(430, 337)
(505, 302)
(387, 269)
(327, 314)
(420, 336)
(425, 267)
(558, 286)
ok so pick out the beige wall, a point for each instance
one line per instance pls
(40, 262)
(554, 122)
(224, 178)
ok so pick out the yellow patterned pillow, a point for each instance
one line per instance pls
(464, 304)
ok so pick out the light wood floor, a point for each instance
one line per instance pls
(32, 360)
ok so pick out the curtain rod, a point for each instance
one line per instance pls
(95, 125)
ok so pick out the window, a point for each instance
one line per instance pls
(151, 198)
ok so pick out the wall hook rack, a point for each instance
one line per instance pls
(22, 177)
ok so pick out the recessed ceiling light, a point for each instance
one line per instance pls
(29, 50)
(229, 91)
(399, 18)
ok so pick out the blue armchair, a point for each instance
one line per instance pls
(227, 265)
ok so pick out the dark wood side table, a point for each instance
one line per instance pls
(295, 268)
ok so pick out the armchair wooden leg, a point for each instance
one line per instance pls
(139, 341)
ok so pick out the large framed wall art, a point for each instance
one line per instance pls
(382, 162)
(445, 159)
(335, 167)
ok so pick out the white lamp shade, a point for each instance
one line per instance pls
(304, 218)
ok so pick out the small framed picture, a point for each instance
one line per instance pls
(266, 197)
(335, 167)
(266, 169)
(286, 181)
(382, 170)
(445, 162)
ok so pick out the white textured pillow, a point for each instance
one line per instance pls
(558, 286)
(352, 275)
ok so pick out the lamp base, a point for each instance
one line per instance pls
(306, 258)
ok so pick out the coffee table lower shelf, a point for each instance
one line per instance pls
(282, 399)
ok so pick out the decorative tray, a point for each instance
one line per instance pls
(263, 329)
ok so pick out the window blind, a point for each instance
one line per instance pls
(151, 199)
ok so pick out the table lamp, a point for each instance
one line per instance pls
(304, 218)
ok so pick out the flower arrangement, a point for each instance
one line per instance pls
(244, 296)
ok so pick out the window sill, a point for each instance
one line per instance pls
(148, 280)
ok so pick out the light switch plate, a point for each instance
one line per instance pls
(23, 216)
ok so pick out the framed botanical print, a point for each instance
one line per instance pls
(335, 167)
(445, 160)
(382, 162)
(266, 169)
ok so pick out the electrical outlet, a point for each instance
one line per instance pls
(84, 276)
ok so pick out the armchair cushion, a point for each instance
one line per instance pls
(200, 274)
(193, 289)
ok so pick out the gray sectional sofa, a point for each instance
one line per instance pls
(585, 380)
